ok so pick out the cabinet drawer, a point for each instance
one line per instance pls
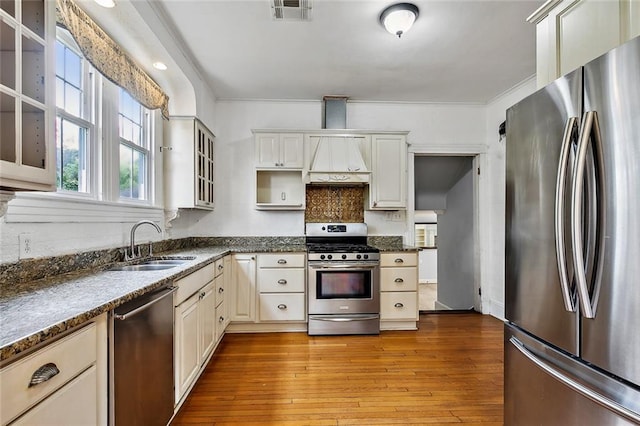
(281, 280)
(219, 267)
(193, 282)
(281, 260)
(74, 404)
(71, 355)
(399, 305)
(219, 281)
(399, 279)
(282, 307)
(398, 259)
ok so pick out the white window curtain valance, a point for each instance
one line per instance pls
(108, 58)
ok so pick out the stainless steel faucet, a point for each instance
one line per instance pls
(133, 243)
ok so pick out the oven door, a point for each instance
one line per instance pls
(344, 288)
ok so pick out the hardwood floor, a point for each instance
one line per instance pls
(449, 371)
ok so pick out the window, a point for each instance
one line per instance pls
(73, 146)
(134, 148)
(102, 152)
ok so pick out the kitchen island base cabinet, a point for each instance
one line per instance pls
(64, 382)
(398, 291)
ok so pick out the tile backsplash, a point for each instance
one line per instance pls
(334, 204)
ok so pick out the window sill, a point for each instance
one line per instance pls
(58, 208)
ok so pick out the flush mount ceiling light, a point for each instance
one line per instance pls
(399, 17)
(106, 3)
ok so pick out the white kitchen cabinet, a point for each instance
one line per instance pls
(195, 327)
(279, 150)
(398, 290)
(27, 95)
(72, 388)
(189, 164)
(388, 187)
(243, 289)
(279, 159)
(281, 284)
(570, 33)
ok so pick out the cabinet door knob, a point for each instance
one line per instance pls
(221, 319)
(399, 280)
(281, 261)
(220, 267)
(398, 260)
(44, 373)
(282, 306)
(221, 290)
(282, 281)
(399, 305)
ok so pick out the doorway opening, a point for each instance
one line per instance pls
(444, 220)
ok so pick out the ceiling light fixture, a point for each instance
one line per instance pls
(106, 3)
(399, 17)
(160, 66)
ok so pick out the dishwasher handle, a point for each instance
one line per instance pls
(161, 295)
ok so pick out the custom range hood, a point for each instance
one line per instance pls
(338, 157)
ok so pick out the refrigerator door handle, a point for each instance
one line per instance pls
(570, 130)
(573, 384)
(589, 128)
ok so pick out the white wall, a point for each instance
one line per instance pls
(235, 188)
(493, 282)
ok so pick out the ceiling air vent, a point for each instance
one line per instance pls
(291, 10)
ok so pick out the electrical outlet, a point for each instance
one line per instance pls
(397, 216)
(26, 246)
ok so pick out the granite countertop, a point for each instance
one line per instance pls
(33, 312)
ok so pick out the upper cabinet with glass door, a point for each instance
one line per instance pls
(27, 36)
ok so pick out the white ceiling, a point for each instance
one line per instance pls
(458, 51)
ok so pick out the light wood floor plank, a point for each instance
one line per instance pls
(449, 371)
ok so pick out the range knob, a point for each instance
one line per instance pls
(366, 256)
(344, 256)
(329, 257)
(322, 256)
(358, 256)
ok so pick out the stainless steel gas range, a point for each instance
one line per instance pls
(343, 280)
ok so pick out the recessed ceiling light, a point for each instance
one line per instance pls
(106, 3)
(159, 66)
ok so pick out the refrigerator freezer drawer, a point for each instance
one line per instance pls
(544, 393)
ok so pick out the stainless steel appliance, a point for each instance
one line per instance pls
(343, 280)
(572, 346)
(141, 360)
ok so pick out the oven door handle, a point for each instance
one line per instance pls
(345, 319)
(343, 266)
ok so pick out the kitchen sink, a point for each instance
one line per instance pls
(142, 267)
(153, 264)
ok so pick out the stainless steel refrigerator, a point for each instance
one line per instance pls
(572, 335)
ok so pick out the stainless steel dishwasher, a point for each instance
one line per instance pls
(141, 360)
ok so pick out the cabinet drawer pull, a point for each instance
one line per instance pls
(282, 261)
(43, 374)
(282, 306)
(282, 281)
(221, 290)
(220, 267)
(398, 260)
(399, 305)
(399, 280)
